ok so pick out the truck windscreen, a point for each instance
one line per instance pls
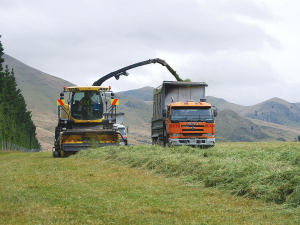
(122, 131)
(191, 114)
(86, 105)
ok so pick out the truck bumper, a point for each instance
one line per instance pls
(192, 142)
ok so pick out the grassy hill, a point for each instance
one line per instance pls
(222, 104)
(276, 111)
(138, 115)
(238, 119)
(275, 119)
(282, 132)
(144, 94)
(40, 91)
(231, 127)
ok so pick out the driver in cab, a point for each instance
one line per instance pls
(87, 104)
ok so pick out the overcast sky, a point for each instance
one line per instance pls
(247, 51)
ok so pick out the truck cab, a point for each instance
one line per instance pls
(178, 119)
(122, 134)
(190, 123)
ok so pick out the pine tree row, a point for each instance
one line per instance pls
(16, 125)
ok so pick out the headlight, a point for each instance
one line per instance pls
(175, 135)
(209, 135)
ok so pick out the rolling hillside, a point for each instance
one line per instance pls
(231, 127)
(278, 119)
(145, 93)
(138, 115)
(276, 111)
(274, 119)
(40, 91)
(222, 104)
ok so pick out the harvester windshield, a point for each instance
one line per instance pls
(190, 114)
(86, 105)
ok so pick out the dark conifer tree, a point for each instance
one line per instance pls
(16, 125)
(1, 90)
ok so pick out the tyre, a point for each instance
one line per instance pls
(55, 154)
(57, 131)
(154, 141)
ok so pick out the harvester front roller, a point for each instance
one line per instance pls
(72, 141)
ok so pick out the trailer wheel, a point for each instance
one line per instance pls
(161, 142)
(154, 141)
(166, 141)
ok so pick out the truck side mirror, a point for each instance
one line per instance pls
(215, 112)
(164, 113)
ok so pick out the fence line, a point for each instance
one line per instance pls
(7, 147)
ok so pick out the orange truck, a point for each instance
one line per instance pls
(181, 115)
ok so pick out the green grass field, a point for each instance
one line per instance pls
(233, 183)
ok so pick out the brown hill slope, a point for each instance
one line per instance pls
(222, 104)
(40, 91)
(144, 94)
(276, 131)
(138, 115)
(282, 132)
(275, 110)
(231, 127)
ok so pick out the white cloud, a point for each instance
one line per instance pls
(241, 48)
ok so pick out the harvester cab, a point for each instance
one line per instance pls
(85, 120)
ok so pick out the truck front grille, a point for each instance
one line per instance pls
(192, 130)
(192, 126)
(192, 134)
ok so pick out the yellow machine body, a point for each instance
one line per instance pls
(82, 122)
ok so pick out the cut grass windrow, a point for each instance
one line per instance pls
(267, 171)
(94, 186)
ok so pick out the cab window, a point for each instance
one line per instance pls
(86, 105)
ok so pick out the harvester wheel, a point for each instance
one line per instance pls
(57, 131)
(55, 154)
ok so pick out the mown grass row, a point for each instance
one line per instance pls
(39, 189)
(267, 171)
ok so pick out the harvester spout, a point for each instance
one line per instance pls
(123, 71)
